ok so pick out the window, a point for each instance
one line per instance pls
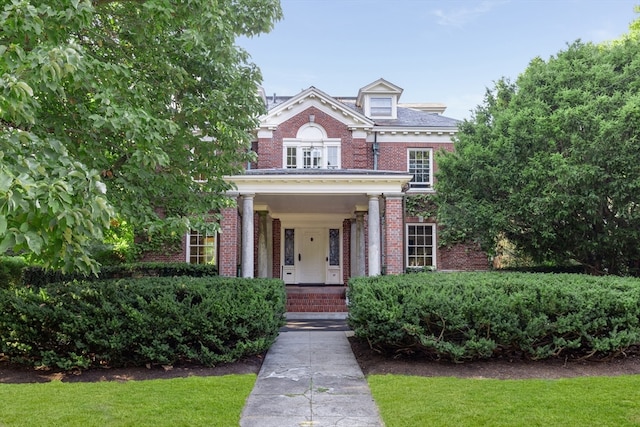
(420, 245)
(334, 246)
(420, 166)
(291, 161)
(380, 107)
(332, 157)
(289, 252)
(202, 248)
(316, 155)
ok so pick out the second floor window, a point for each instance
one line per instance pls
(298, 155)
(420, 166)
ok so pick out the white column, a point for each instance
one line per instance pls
(247, 235)
(263, 253)
(374, 235)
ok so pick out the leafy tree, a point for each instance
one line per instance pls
(111, 108)
(551, 162)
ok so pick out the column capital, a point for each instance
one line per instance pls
(393, 196)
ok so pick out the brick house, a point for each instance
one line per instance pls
(325, 199)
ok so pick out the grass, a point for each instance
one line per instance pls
(192, 401)
(586, 401)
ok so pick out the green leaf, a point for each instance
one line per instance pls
(34, 241)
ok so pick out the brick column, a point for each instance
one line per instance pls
(228, 265)
(394, 233)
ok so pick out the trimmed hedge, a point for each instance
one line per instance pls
(11, 268)
(467, 316)
(38, 276)
(136, 322)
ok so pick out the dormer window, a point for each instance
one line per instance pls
(381, 106)
(379, 100)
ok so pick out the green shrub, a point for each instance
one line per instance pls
(37, 276)
(11, 268)
(466, 316)
(135, 322)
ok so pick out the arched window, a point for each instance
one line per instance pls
(311, 149)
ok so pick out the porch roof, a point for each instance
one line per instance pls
(318, 190)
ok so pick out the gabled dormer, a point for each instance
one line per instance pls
(379, 100)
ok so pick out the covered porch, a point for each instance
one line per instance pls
(314, 227)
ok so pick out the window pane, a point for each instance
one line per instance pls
(380, 106)
(289, 256)
(420, 167)
(202, 248)
(292, 158)
(306, 158)
(332, 157)
(334, 246)
(420, 247)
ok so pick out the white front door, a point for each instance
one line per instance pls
(311, 261)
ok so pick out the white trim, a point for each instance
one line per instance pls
(319, 184)
(313, 97)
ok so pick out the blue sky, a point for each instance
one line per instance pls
(446, 51)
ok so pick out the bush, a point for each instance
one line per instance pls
(135, 322)
(37, 276)
(11, 271)
(467, 316)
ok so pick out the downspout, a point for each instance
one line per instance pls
(376, 150)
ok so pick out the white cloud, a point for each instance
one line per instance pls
(461, 16)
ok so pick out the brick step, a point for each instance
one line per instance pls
(316, 302)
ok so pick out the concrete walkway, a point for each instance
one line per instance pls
(310, 378)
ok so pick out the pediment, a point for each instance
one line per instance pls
(380, 86)
(313, 97)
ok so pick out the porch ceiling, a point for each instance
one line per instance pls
(306, 204)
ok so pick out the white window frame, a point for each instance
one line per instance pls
(320, 147)
(198, 244)
(425, 185)
(410, 259)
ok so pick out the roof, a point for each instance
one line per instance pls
(407, 117)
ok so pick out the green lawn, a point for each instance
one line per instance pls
(586, 401)
(193, 401)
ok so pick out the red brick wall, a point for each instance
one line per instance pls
(228, 260)
(394, 231)
(176, 255)
(465, 257)
(393, 156)
(354, 151)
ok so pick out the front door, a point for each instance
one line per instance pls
(312, 256)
